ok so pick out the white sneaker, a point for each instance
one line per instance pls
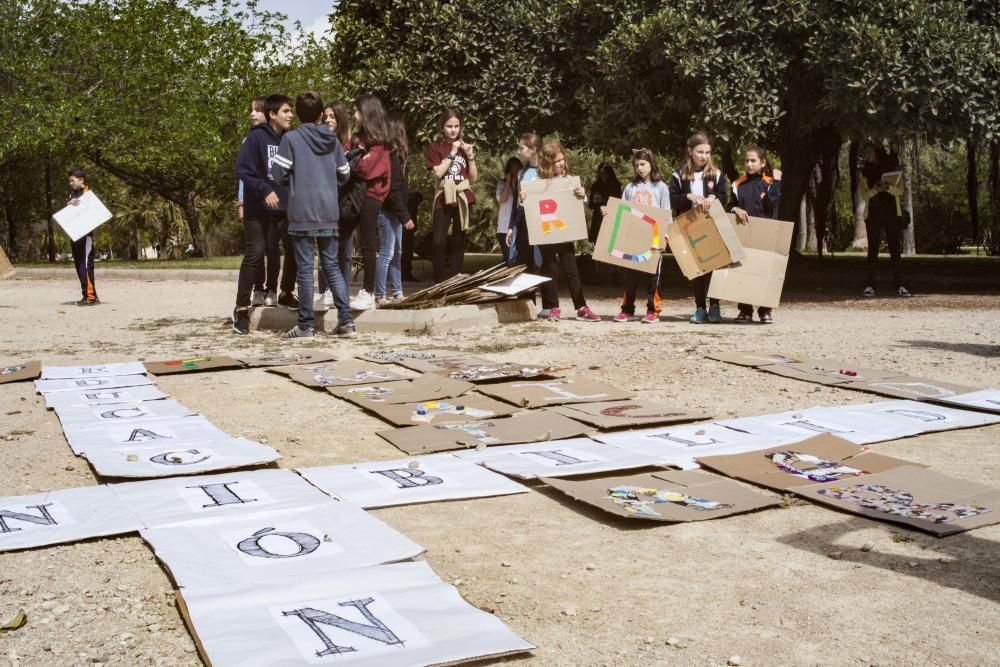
(363, 301)
(271, 299)
(257, 299)
(323, 302)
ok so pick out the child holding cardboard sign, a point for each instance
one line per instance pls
(697, 183)
(756, 194)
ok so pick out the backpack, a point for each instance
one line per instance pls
(352, 193)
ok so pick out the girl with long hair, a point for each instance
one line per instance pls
(395, 215)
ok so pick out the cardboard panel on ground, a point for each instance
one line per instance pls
(192, 365)
(756, 359)
(559, 458)
(442, 365)
(829, 372)
(169, 432)
(911, 388)
(552, 211)
(525, 427)
(819, 459)
(503, 370)
(285, 358)
(19, 372)
(67, 515)
(93, 371)
(466, 408)
(92, 384)
(339, 374)
(6, 268)
(302, 542)
(759, 276)
(985, 400)
(92, 415)
(398, 356)
(702, 242)
(632, 236)
(60, 399)
(187, 457)
(858, 426)
(390, 616)
(407, 481)
(672, 496)
(542, 393)
(913, 496)
(163, 502)
(427, 387)
(635, 413)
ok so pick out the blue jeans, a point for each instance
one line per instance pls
(329, 266)
(390, 242)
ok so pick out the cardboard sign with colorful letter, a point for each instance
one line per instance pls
(702, 242)
(553, 212)
(632, 236)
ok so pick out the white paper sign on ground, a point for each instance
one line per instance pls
(164, 502)
(385, 616)
(558, 458)
(386, 483)
(984, 399)
(67, 515)
(679, 445)
(60, 399)
(119, 413)
(181, 458)
(81, 219)
(514, 286)
(94, 371)
(153, 431)
(925, 417)
(857, 426)
(305, 542)
(92, 384)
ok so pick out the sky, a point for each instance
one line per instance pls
(312, 13)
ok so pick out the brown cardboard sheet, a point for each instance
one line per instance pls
(339, 373)
(6, 268)
(633, 413)
(702, 242)
(287, 358)
(426, 387)
(443, 364)
(759, 277)
(756, 359)
(543, 393)
(192, 365)
(469, 407)
(21, 371)
(632, 236)
(552, 211)
(829, 372)
(912, 388)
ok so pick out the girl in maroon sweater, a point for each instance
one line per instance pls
(452, 160)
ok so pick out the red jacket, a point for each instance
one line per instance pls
(374, 168)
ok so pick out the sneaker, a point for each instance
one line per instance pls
(271, 298)
(94, 302)
(320, 304)
(363, 301)
(869, 292)
(257, 299)
(744, 317)
(587, 315)
(902, 291)
(554, 314)
(297, 332)
(765, 317)
(714, 314)
(397, 297)
(380, 301)
(621, 317)
(346, 331)
(650, 318)
(241, 320)
(288, 300)
(544, 314)
(700, 316)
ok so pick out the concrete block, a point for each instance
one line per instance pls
(448, 318)
(281, 319)
(515, 310)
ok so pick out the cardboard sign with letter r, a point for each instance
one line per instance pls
(553, 213)
(632, 236)
(702, 242)
(760, 275)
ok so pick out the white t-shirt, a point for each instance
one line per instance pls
(698, 184)
(506, 207)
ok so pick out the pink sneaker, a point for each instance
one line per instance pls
(651, 318)
(553, 314)
(621, 317)
(587, 315)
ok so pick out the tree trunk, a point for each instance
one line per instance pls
(825, 174)
(802, 235)
(972, 187)
(994, 182)
(10, 208)
(910, 157)
(50, 241)
(860, 241)
(191, 217)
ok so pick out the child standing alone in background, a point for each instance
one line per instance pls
(647, 188)
(757, 195)
(83, 247)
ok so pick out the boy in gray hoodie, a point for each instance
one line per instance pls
(311, 161)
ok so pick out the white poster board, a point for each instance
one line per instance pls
(67, 515)
(58, 399)
(558, 458)
(857, 426)
(120, 412)
(304, 542)
(80, 219)
(93, 371)
(679, 445)
(929, 418)
(984, 399)
(522, 282)
(186, 457)
(155, 431)
(420, 479)
(386, 616)
(92, 384)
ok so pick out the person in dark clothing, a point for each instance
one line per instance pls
(882, 187)
(756, 195)
(606, 186)
(83, 247)
(413, 202)
(696, 184)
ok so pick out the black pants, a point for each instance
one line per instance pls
(447, 261)
(260, 240)
(700, 286)
(632, 279)
(555, 256)
(406, 261)
(367, 223)
(83, 258)
(289, 267)
(894, 239)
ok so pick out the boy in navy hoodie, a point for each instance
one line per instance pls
(311, 161)
(264, 206)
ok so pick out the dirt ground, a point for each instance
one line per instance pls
(781, 586)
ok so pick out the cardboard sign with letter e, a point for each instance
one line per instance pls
(553, 212)
(632, 236)
(702, 242)
(760, 275)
